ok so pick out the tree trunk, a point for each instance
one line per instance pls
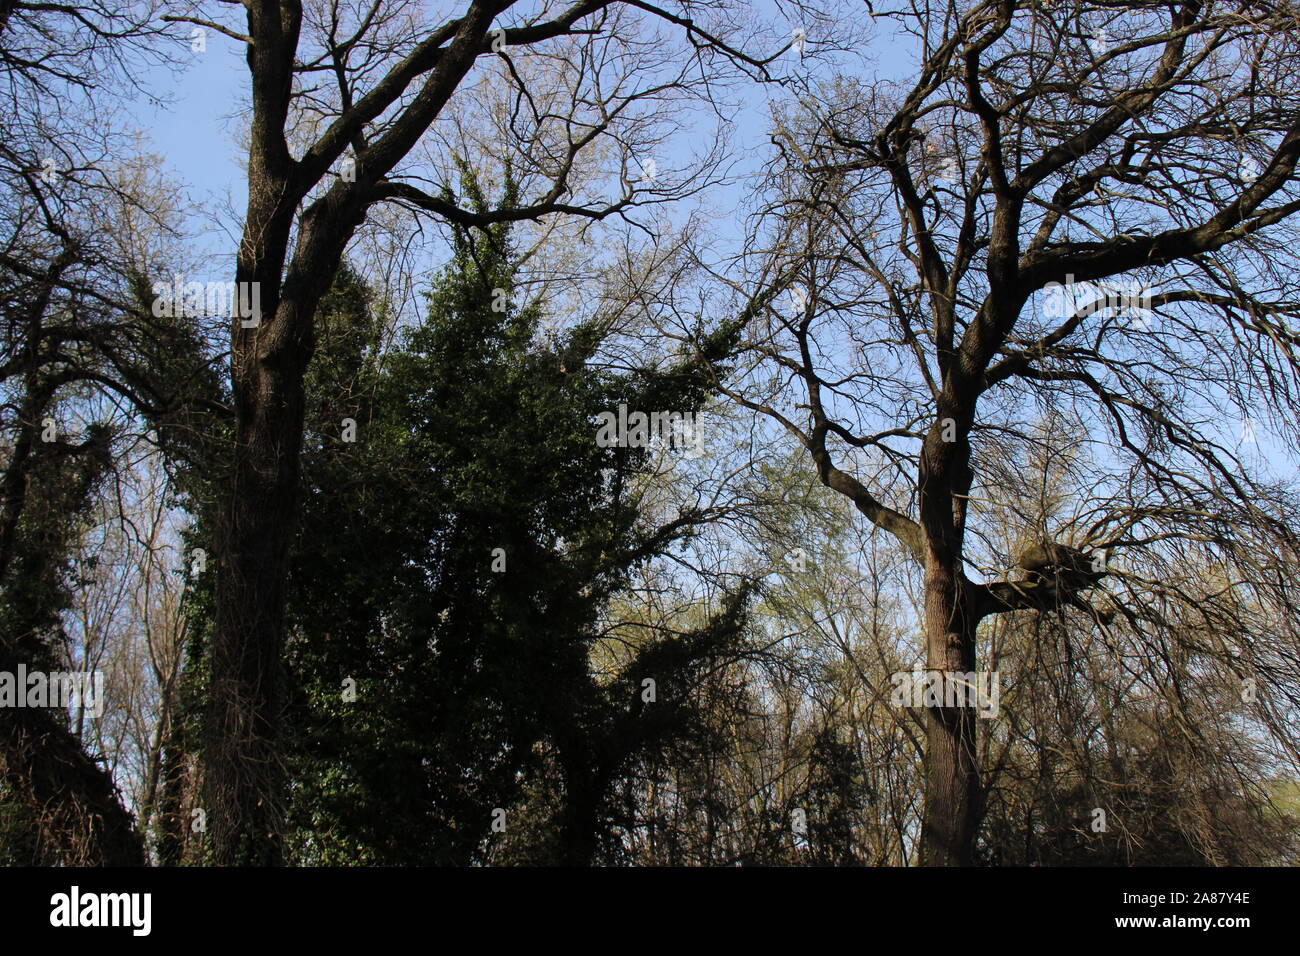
(951, 619)
(170, 828)
(579, 820)
(951, 769)
(242, 770)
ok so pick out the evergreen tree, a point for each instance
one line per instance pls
(462, 532)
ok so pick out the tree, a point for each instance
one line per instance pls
(462, 536)
(945, 232)
(75, 232)
(317, 162)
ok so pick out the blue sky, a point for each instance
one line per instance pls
(194, 129)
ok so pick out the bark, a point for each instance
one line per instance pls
(243, 775)
(951, 621)
(951, 769)
(578, 847)
(241, 766)
(171, 823)
(241, 769)
(583, 785)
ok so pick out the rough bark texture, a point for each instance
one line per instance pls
(951, 771)
(951, 622)
(241, 769)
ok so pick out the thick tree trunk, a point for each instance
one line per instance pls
(242, 771)
(579, 833)
(579, 818)
(951, 618)
(951, 769)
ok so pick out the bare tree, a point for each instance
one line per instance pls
(70, 328)
(959, 243)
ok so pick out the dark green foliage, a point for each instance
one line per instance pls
(838, 790)
(473, 686)
(61, 477)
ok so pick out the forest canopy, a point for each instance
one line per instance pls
(613, 433)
